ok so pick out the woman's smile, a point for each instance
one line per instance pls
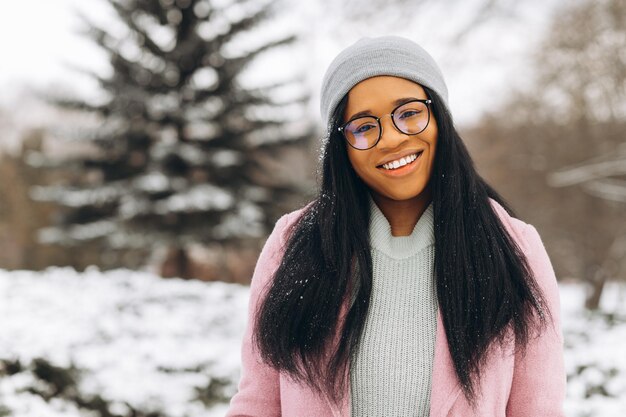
(402, 166)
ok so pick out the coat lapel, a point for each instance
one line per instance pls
(445, 388)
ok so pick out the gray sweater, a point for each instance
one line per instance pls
(391, 373)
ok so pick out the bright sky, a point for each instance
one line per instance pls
(36, 38)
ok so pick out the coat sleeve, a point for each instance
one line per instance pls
(258, 393)
(539, 378)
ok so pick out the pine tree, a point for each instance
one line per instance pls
(181, 142)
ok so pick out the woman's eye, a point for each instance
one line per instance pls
(363, 128)
(409, 113)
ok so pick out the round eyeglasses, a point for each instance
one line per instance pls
(410, 118)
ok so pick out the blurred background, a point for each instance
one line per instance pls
(147, 148)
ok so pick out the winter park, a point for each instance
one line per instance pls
(150, 150)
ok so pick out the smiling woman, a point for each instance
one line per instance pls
(407, 287)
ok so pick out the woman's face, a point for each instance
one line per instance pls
(376, 97)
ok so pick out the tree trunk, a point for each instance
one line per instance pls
(176, 264)
(597, 285)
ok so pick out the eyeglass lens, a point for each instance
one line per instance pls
(410, 118)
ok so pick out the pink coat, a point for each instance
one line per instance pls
(511, 386)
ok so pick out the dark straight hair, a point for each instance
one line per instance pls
(484, 284)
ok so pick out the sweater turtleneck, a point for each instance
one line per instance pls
(400, 247)
(391, 373)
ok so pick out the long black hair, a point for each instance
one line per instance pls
(484, 283)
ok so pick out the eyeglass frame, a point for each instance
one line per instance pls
(341, 128)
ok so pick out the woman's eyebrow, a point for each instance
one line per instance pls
(396, 103)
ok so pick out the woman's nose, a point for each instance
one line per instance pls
(390, 136)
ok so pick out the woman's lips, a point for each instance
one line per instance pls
(403, 170)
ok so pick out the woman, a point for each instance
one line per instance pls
(407, 287)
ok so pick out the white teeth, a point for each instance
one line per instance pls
(400, 162)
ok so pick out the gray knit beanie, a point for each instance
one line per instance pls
(385, 55)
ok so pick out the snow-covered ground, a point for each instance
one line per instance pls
(595, 352)
(163, 346)
(133, 343)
